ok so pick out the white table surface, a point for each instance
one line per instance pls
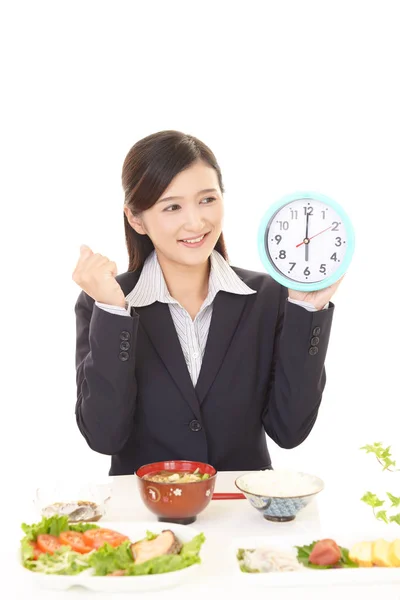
(333, 512)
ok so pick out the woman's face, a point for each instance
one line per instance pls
(191, 207)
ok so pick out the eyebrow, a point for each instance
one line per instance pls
(182, 197)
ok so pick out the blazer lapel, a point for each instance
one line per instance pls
(157, 321)
(227, 311)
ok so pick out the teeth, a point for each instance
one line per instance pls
(193, 241)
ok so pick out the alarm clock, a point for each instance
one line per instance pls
(306, 241)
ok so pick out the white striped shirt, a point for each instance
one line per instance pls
(151, 287)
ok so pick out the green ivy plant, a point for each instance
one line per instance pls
(387, 463)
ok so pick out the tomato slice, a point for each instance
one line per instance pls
(36, 550)
(98, 537)
(48, 543)
(75, 540)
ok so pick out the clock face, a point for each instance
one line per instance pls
(308, 242)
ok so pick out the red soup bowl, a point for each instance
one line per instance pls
(172, 501)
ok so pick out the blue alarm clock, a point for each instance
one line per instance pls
(306, 241)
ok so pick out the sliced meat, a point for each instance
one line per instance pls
(325, 552)
(116, 573)
(165, 543)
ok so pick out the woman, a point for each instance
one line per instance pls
(183, 356)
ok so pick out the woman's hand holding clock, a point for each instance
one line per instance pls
(319, 298)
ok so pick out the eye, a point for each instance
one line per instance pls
(171, 208)
(208, 200)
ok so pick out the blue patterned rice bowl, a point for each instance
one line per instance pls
(279, 494)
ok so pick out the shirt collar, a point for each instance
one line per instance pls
(151, 286)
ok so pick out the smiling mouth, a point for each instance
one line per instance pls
(194, 240)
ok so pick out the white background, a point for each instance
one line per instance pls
(289, 96)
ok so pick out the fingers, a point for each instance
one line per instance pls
(86, 258)
(114, 269)
(338, 282)
(85, 251)
(90, 258)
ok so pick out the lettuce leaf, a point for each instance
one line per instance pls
(82, 527)
(26, 552)
(53, 526)
(241, 555)
(107, 559)
(63, 562)
(189, 555)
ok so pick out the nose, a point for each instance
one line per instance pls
(194, 221)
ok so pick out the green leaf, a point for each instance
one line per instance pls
(395, 519)
(241, 554)
(372, 500)
(346, 560)
(375, 448)
(382, 516)
(151, 536)
(163, 564)
(26, 551)
(382, 454)
(303, 556)
(193, 547)
(386, 452)
(51, 525)
(82, 527)
(394, 500)
(387, 463)
(63, 562)
(108, 559)
(305, 551)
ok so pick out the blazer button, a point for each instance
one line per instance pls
(126, 345)
(123, 356)
(195, 425)
(313, 350)
(124, 335)
(314, 341)
(316, 331)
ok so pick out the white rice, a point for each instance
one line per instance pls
(281, 483)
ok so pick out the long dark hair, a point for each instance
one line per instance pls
(148, 169)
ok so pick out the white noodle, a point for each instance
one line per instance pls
(268, 560)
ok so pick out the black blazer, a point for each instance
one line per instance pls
(262, 371)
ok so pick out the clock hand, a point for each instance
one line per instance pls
(306, 240)
(313, 236)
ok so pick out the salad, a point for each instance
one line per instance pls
(54, 546)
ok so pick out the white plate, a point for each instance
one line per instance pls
(311, 577)
(140, 583)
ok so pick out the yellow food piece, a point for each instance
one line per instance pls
(394, 553)
(380, 553)
(361, 553)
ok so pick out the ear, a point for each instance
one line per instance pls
(135, 222)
